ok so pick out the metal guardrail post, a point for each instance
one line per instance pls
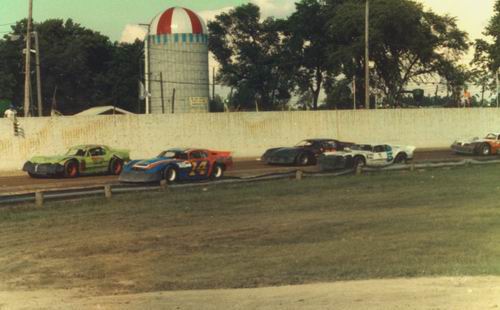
(163, 184)
(39, 199)
(359, 170)
(107, 191)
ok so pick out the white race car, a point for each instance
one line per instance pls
(366, 155)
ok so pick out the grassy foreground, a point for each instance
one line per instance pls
(398, 224)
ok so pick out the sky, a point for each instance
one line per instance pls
(111, 17)
(118, 19)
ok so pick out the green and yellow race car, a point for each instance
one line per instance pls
(79, 160)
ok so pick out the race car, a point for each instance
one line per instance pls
(366, 155)
(304, 153)
(486, 146)
(79, 160)
(178, 164)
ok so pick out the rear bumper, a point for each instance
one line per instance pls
(139, 176)
(43, 169)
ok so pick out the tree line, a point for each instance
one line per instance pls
(80, 68)
(265, 62)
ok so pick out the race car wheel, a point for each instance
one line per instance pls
(217, 172)
(71, 169)
(359, 161)
(170, 175)
(400, 158)
(303, 160)
(115, 166)
(484, 150)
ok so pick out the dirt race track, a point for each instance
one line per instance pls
(18, 182)
(420, 293)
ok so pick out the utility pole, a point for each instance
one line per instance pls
(27, 73)
(354, 92)
(213, 84)
(38, 77)
(498, 69)
(146, 69)
(367, 57)
(161, 94)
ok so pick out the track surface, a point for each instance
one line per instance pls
(242, 168)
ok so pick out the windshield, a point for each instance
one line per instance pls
(304, 143)
(173, 154)
(76, 151)
(491, 136)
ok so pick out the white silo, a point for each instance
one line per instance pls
(178, 62)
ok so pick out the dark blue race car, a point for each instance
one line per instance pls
(178, 164)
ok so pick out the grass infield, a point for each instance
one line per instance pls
(390, 224)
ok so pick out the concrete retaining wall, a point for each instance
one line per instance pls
(246, 134)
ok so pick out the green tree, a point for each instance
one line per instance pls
(249, 52)
(407, 43)
(81, 68)
(306, 45)
(481, 73)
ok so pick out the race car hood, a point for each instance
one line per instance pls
(152, 162)
(48, 159)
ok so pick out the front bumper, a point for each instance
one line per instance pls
(43, 169)
(333, 162)
(467, 149)
(139, 176)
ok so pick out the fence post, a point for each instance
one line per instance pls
(163, 184)
(412, 167)
(39, 199)
(107, 191)
(359, 170)
(299, 175)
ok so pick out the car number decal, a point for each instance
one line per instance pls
(199, 168)
(389, 156)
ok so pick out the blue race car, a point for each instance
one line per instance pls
(178, 164)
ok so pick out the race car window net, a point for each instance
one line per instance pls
(97, 152)
(198, 154)
(379, 149)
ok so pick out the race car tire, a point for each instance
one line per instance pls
(71, 169)
(400, 158)
(170, 175)
(115, 166)
(484, 149)
(359, 161)
(217, 172)
(304, 159)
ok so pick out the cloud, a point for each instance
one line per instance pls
(210, 14)
(132, 32)
(275, 8)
